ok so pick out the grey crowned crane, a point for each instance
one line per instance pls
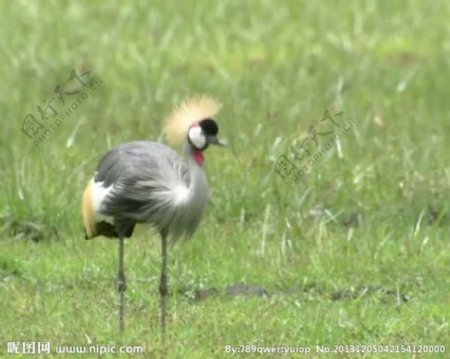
(148, 182)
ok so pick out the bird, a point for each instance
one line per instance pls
(147, 182)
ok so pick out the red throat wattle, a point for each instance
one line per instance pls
(199, 158)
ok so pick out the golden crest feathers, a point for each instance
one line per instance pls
(191, 110)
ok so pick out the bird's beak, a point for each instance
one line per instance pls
(213, 140)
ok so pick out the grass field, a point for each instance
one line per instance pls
(356, 252)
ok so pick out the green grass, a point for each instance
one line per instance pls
(357, 252)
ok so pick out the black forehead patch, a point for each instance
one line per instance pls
(209, 126)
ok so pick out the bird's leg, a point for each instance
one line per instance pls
(121, 283)
(163, 290)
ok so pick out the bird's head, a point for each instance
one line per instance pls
(204, 133)
(192, 123)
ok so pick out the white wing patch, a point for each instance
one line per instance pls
(99, 193)
(181, 194)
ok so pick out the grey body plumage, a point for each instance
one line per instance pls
(152, 184)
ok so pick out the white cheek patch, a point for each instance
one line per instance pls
(197, 137)
(99, 193)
